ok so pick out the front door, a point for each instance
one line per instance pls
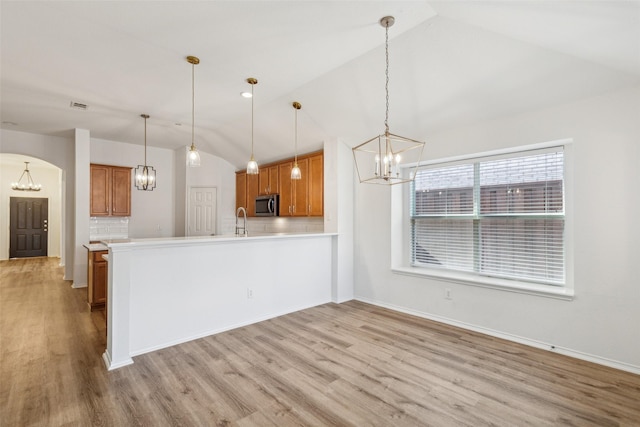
(202, 211)
(28, 227)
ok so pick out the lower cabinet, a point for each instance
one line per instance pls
(97, 280)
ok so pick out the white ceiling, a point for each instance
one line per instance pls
(451, 63)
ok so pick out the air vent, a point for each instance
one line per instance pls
(78, 105)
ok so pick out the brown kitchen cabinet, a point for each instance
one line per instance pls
(268, 181)
(316, 185)
(294, 192)
(304, 197)
(252, 193)
(97, 280)
(110, 193)
(241, 190)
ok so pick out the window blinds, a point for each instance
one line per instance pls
(501, 217)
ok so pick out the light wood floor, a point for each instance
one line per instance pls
(349, 364)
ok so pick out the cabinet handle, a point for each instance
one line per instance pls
(289, 208)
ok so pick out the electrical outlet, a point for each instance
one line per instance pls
(249, 293)
(447, 293)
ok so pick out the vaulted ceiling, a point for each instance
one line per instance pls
(451, 63)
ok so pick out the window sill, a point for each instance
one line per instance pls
(556, 292)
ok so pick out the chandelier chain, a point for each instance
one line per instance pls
(145, 141)
(386, 84)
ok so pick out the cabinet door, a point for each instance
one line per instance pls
(99, 282)
(301, 190)
(284, 188)
(252, 193)
(120, 191)
(241, 190)
(316, 185)
(99, 202)
(273, 180)
(263, 182)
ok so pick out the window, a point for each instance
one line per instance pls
(500, 216)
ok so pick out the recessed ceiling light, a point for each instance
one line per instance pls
(246, 94)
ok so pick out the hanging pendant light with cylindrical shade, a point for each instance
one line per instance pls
(145, 174)
(381, 159)
(252, 165)
(295, 171)
(193, 157)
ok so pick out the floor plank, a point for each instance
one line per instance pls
(351, 364)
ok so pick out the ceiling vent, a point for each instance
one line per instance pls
(78, 105)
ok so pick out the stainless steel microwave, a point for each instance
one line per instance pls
(267, 205)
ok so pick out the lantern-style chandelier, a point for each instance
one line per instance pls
(30, 185)
(193, 157)
(145, 174)
(252, 166)
(387, 158)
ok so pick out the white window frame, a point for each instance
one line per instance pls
(401, 232)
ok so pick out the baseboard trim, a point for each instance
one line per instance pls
(509, 337)
(110, 365)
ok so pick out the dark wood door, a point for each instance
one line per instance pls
(29, 218)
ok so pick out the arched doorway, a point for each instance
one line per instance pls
(12, 166)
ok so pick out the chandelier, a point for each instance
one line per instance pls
(30, 185)
(387, 158)
(145, 175)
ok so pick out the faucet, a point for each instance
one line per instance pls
(245, 232)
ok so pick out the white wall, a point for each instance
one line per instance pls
(51, 179)
(599, 323)
(152, 212)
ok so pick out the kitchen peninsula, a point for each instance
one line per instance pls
(163, 292)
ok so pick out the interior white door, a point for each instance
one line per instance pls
(202, 211)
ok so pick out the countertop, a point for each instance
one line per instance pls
(196, 240)
(95, 247)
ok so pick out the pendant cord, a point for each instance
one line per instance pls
(252, 121)
(193, 103)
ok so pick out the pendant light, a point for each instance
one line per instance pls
(193, 157)
(30, 184)
(381, 159)
(145, 175)
(252, 166)
(295, 171)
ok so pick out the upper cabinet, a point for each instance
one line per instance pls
(110, 191)
(304, 197)
(268, 180)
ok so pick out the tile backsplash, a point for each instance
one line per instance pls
(275, 225)
(106, 228)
